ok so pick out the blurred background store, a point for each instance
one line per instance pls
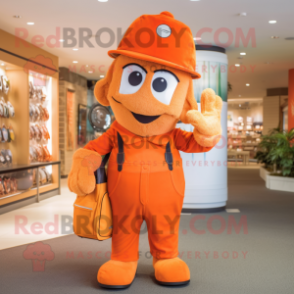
(51, 55)
(50, 66)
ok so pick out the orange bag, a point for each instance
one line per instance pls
(93, 213)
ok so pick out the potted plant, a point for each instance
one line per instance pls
(267, 144)
(277, 155)
(283, 153)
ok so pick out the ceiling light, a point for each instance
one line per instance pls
(272, 21)
(242, 53)
(102, 76)
(74, 62)
(61, 40)
(16, 16)
(2, 64)
(197, 39)
(102, 0)
(239, 105)
(247, 85)
(30, 23)
(275, 37)
(75, 49)
(237, 64)
(239, 95)
(243, 14)
(90, 72)
(87, 65)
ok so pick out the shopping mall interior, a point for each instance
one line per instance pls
(84, 83)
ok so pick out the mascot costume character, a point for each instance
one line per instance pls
(149, 87)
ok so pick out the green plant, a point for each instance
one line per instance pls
(277, 149)
(265, 147)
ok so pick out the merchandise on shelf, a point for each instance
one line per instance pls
(6, 109)
(24, 179)
(5, 158)
(7, 185)
(45, 176)
(39, 117)
(39, 153)
(5, 84)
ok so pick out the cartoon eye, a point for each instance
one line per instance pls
(35, 253)
(132, 79)
(42, 252)
(163, 85)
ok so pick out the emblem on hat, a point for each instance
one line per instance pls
(163, 31)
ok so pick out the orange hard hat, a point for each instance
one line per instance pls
(161, 39)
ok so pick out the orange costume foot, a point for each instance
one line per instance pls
(171, 272)
(117, 274)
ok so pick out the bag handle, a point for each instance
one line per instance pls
(100, 173)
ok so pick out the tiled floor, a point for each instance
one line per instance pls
(59, 207)
(43, 213)
(228, 256)
(240, 165)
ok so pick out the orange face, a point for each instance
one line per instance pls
(146, 98)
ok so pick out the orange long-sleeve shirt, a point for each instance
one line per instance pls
(179, 139)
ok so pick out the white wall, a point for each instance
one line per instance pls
(271, 113)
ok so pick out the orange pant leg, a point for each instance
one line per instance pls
(162, 215)
(125, 237)
(127, 214)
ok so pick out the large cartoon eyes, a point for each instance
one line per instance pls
(132, 79)
(163, 86)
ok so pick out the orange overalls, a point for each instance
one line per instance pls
(145, 182)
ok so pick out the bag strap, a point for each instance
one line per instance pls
(168, 156)
(100, 173)
(120, 155)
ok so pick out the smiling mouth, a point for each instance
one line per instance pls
(144, 119)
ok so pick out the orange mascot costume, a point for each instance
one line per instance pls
(149, 88)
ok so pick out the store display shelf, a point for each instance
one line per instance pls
(250, 144)
(13, 198)
(46, 187)
(35, 190)
(20, 167)
(12, 194)
(6, 199)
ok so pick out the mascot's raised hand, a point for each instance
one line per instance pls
(207, 125)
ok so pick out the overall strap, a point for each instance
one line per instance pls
(168, 156)
(120, 155)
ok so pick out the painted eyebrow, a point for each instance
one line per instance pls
(168, 72)
(137, 65)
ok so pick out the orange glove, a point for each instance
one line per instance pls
(207, 125)
(81, 179)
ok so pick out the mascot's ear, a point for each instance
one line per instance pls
(102, 86)
(189, 104)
